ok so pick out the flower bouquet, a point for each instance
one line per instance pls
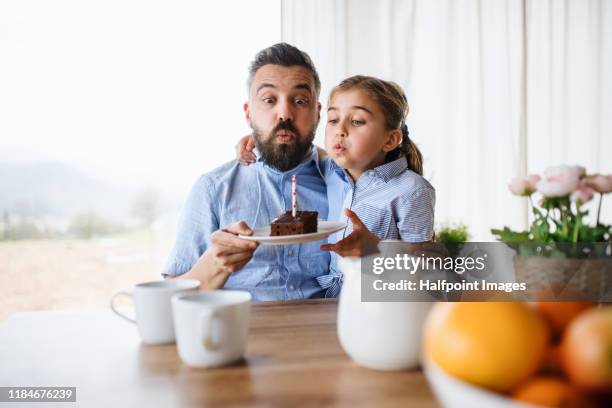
(560, 245)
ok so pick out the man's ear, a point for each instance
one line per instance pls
(393, 140)
(247, 113)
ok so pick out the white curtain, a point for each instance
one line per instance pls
(497, 88)
(569, 85)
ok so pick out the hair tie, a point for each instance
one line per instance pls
(405, 133)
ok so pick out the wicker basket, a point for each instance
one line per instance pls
(590, 279)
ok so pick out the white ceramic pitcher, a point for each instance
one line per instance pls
(378, 335)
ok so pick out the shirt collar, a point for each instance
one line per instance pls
(389, 170)
(385, 171)
(257, 154)
(341, 172)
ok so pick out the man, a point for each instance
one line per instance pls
(283, 111)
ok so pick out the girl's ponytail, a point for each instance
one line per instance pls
(411, 151)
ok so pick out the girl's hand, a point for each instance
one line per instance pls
(244, 150)
(354, 243)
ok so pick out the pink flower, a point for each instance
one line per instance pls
(524, 186)
(600, 182)
(564, 170)
(582, 194)
(560, 181)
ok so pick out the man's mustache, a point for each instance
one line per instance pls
(285, 125)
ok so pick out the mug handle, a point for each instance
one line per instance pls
(112, 305)
(205, 325)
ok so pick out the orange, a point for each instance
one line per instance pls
(560, 314)
(586, 351)
(550, 392)
(495, 345)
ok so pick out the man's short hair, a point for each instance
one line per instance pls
(285, 55)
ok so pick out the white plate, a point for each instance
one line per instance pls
(324, 229)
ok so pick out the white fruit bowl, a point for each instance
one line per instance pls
(452, 392)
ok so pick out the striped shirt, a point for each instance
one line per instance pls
(392, 201)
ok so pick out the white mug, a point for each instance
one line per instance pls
(378, 335)
(153, 308)
(211, 327)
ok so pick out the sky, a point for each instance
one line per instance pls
(133, 92)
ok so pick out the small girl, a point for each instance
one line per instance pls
(374, 174)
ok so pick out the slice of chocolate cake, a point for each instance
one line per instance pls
(303, 223)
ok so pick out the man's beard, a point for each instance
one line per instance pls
(283, 156)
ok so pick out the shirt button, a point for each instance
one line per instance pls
(291, 287)
(290, 252)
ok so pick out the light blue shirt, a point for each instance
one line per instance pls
(392, 201)
(255, 194)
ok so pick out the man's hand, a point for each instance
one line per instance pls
(244, 150)
(227, 254)
(354, 243)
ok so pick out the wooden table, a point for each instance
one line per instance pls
(293, 359)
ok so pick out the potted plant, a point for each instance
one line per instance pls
(453, 236)
(456, 233)
(559, 246)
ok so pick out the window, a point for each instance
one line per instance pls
(109, 111)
